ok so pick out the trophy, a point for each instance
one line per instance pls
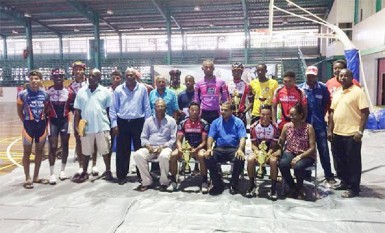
(263, 156)
(236, 99)
(263, 95)
(186, 150)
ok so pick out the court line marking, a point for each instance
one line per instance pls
(10, 165)
(9, 153)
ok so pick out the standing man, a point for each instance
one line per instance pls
(229, 134)
(129, 110)
(186, 97)
(239, 92)
(210, 92)
(194, 131)
(175, 82)
(288, 96)
(60, 103)
(334, 84)
(92, 103)
(347, 120)
(167, 95)
(318, 103)
(262, 90)
(32, 108)
(116, 78)
(79, 75)
(158, 138)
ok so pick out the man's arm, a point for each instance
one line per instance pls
(77, 116)
(173, 129)
(274, 107)
(364, 118)
(209, 151)
(20, 111)
(330, 125)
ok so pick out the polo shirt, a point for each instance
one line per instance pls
(227, 133)
(169, 98)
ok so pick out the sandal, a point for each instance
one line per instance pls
(41, 181)
(28, 185)
(349, 194)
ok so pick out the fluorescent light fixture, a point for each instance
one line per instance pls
(27, 15)
(110, 12)
(76, 30)
(197, 8)
(15, 32)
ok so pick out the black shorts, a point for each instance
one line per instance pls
(34, 131)
(58, 125)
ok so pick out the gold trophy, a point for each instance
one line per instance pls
(236, 99)
(186, 150)
(263, 156)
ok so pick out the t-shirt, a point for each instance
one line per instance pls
(178, 90)
(264, 90)
(210, 93)
(243, 90)
(347, 105)
(60, 102)
(193, 130)
(34, 104)
(259, 133)
(333, 85)
(288, 98)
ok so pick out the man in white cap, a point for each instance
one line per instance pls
(318, 103)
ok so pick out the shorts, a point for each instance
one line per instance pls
(34, 131)
(58, 125)
(102, 140)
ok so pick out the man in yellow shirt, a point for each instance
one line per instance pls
(347, 120)
(262, 90)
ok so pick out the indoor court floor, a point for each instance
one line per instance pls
(100, 206)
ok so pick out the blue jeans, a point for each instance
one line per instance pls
(323, 151)
(299, 169)
(221, 155)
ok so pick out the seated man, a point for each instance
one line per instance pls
(194, 131)
(263, 134)
(158, 138)
(229, 134)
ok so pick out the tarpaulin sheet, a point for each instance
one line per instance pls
(100, 206)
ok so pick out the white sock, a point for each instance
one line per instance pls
(80, 171)
(51, 170)
(63, 167)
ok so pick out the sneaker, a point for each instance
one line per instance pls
(331, 180)
(216, 190)
(163, 188)
(349, 194)
(252, 191)
(52, 180)
(273, 194)
(83, 177)
(233, 190)
(62, 176)
(95, 171)
(205, 188)
(171, 187)
(108, 176)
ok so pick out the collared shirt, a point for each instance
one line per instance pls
(288, 97)
(318, 102)
(333, 85)
(169, 98)
(157, 133)
(227, 133)
(93, 107)
(128, 104)
(347, 105)
(210, 93)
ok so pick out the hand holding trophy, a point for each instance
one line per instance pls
(186, 150)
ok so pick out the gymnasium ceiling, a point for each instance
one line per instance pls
(70, 18)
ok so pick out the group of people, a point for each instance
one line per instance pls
(209, 116)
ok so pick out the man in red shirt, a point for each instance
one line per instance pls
(334, 84)
(288, 96)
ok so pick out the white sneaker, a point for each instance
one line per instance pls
(205, 188)
(171, 187)
(62, 176)
(95, 171)
(52, 180)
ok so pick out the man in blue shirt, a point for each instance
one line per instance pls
(229, 134)
(130, 108)
(318, 103)
(167, 95)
